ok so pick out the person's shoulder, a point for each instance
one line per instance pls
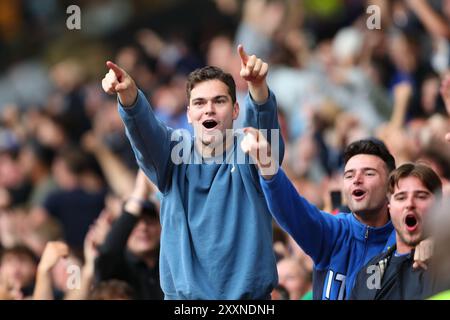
(343, 215)
(379, 258)
(346, 219)
(379, 261)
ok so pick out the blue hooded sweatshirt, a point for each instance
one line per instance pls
(339, 245)
(216, 239)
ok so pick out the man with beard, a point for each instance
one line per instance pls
(412, 189)
(340, 245)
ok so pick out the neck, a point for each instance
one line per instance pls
(376, 218)
(213, 149)
(402, 247)
(150, 258)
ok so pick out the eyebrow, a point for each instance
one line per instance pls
(417, 192)
(213, 98)
(363, 169)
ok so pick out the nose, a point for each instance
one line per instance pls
(357, 179)
(410, 203)
(209, 108)
(141, 226)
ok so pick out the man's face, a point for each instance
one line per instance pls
(365, 183)
(17, 270)
(145, 236)
(211, 111)
(408, 206)
(292, 277)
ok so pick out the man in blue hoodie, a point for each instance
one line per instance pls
(339, 245)
(216, 239)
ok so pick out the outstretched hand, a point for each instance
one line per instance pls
(259, 149)
(119, 81)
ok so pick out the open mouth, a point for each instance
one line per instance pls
(358, 193)
(411, 222)
(209, 124)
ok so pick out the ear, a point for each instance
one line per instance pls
(235, 110)
(188, 116)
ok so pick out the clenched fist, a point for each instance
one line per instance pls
(120, 82)
(54, 250)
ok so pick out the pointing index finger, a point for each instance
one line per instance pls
(116, 69)
(242, 54)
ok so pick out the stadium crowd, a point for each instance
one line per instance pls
(78, 220)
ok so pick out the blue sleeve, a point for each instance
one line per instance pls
(265, 116)
(315, 231)
(149, 138)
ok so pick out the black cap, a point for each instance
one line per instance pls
(149, 209)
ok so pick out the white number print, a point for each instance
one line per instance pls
(339, 280)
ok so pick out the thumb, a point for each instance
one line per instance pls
(118, 71)
(121, 87)
(447, 137)
(419, 265)
(242, 54)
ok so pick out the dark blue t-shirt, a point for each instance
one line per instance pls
(76, 210)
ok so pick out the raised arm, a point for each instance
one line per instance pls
(254, 71)
(120, 82)
(117, 174)
(261, 105)
(149, 137)
(111, 262)
(88, 270)
(53, 252)
(445, 93)
(433, 22)
(402, 94)
(315, 231)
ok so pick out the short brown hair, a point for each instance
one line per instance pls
(210, 73)
(425, 174)
(371, 146)
(112, 290)
(19, 251)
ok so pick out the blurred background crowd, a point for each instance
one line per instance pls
(66, 166)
